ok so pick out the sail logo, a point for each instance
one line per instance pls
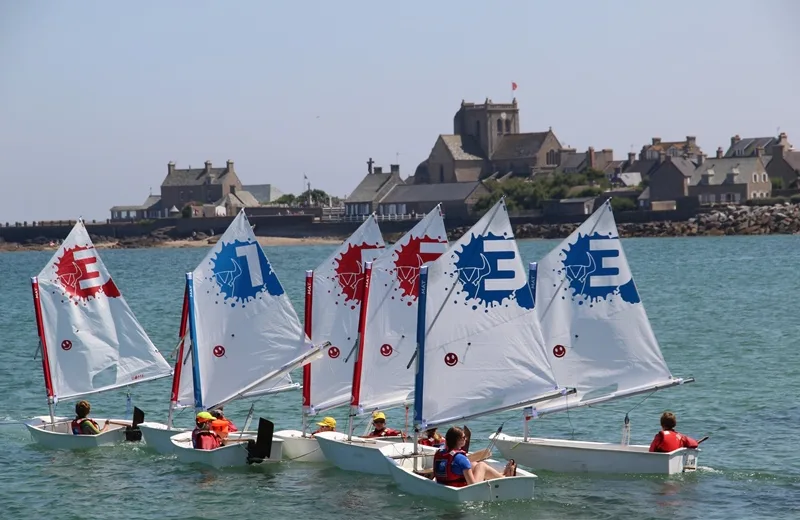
(349, 270)
(410, 257)
(596, 270)
(81, 275)
(490, 272)
(242, 273)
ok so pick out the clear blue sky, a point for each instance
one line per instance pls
(96, 97)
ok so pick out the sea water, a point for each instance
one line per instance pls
(724, 311)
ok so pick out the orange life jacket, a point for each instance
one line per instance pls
(666, 441)
(77, 423)
(443, 468)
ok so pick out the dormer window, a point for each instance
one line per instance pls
(739, 152)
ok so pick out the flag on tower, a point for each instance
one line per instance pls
(513, 86)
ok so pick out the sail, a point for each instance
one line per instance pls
(92, 339)
(337, 287)
(243, 325)
(597, 334)
(482, 350)
(391, 324)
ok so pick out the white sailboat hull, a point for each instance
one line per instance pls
(565, 456)
(230, 456)
(360, 454)
(402, 472)
(62, 438)
(158, 436)
(298, 448)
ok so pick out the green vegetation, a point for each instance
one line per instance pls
(622, 204)
(317, 197)
(777, 183)
(186, 212)
(522, 194)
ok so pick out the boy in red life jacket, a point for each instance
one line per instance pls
(327, 424)
(452, 467)
(379, 421)
(432, 439)
(82, 425)
(218, 414)
(203, 438)
(668, 439)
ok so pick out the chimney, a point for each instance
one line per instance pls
(759, 151)
(377, 169)
(170, 168)
(720, 153)
(230, 166)
(631, 157)
(208, 166)
(778, 150)
(590, 158)
(691, 140)
(735, 139)
(394, 168)
(701, 158)
(656, 140)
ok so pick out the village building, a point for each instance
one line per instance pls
(730, 179)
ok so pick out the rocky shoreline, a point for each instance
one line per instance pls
(720, 220)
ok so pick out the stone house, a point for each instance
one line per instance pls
(670, 179)
(201, 185)
(687, 148)
(785, 165)
(372, 189)
(151, 208)
(575, 206)
(263, 193)
(730, 179)
(748, 146)
(457, 198)
(572, 161)
(486, 139)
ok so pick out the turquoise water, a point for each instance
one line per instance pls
(722, 308)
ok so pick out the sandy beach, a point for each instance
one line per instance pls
(143, 242)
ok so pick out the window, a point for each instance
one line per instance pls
(723, 197)
(401, 209)
(764, 177)
(673, 152)
(552, 157)
(739, 152)
(755, 177)
(736, 197)
(712, 198)
(441, 173)
(499, 127)
(508, 126)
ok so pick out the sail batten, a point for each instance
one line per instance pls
(93, 341)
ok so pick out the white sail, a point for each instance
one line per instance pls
(482, 350)
(93, 340)
(336, 302)
(243, 325)
(390, 329)
(597, 335)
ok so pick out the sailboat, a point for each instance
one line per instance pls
(158, 436)
(479, 352)
(332, 306)
(245, 338)
(90, 341)
(598, 340)
(381, 378)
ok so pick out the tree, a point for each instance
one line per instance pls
(777, 183)
(287, 199)
(186, 212)
(622, 204)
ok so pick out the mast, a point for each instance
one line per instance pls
(362, 323)
(309, 307)
(198, 394)
(176, 377)
(419, 379)
(48, 381)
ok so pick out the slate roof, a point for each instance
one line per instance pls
(194, 177)
(747, 146)
(370, 186)
(685, 166)
(645, 194)
(629, 179)
(793, 158)
(743, 167)
(519, 146)
(127, 208)
(445, 192)
(264, 193)
(573, 163)
(643, 166)
(149, 204)
(612, 166)
(463, 147)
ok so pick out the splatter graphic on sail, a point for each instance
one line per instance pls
(410, 257)
(243, 273)
(349, 271)
(596, 270)
(82, 275)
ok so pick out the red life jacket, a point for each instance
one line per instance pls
(231, 427)
(666, 441)
(386, 432)
(443, 468)
(76, 425)
(204, 440)
(431, 441)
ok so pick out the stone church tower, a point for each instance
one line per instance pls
(487, 123)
